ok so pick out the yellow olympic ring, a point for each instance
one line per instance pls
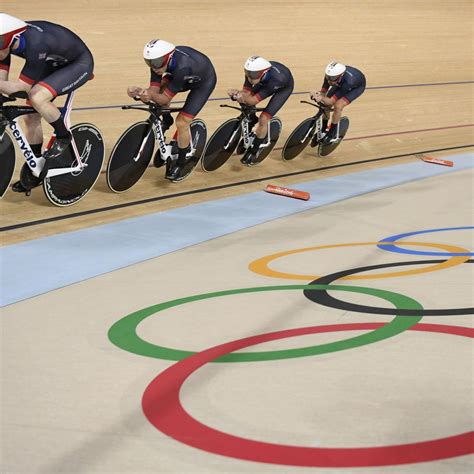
(261, 267)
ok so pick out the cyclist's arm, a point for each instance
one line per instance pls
(10, 87)
(317, 95)
(246, 97)
(3, 75)
(253, 98)
(329, 101)
(154, 94)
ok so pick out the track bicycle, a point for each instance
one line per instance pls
(81, 162)
(236, 133)
(312, 131)
(133, 151)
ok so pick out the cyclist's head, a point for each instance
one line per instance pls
(157, 53)
(10, 29)
(255, 67)
(334, 71)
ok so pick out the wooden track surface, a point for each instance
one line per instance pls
(407, 42)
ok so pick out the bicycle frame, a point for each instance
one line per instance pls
(244, 126)
(319, 121)
(157, 129)
(36, 164)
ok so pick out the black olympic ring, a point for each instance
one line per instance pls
(322, 297)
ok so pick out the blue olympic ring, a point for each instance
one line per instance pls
(394, 238)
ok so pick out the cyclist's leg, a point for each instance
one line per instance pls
(195, 101)
(33, 130)
(342, 100)
(60, 82)
(167, 118)
(276, 103)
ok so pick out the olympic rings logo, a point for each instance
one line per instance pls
(162, 406)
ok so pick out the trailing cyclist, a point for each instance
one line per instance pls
(341, 86)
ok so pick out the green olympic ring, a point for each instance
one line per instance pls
(123, 333)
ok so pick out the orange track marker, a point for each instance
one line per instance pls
(293, 193)
(436, 161)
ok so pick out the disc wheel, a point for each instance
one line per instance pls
(68, 189)
(130, 157)
(221, 145)
(298, 139)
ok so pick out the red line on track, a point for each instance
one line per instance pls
(402, 133)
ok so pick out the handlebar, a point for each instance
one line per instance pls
(20, 95)
(152, 108)
(5, 98)
(318, 105)
(13, 97)
(244, 108)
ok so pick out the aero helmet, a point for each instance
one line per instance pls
(256, 66)
(10, 29)
(334, 70)
(157, 53)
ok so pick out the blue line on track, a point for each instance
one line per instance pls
(295, 93)
(64, 259)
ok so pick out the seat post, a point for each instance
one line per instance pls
(67, 108)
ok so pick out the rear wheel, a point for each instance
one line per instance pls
(299, 139)
(198, 141)
(275, 130)
(221, 145)
(325, 149)
(67, 189)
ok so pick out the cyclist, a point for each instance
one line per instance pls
(56, 62)
(341, 86)
(263, 79)
(176, 69)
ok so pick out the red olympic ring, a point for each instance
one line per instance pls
(162, 406)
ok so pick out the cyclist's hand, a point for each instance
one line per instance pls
(316, 96)
(145, 96)
(134, 91)
(239, 97)
(232, 93)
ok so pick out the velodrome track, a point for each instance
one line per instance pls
(104, 303)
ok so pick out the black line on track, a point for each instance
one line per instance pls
(215, 188)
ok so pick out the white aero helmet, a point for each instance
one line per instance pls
(10, 29)
(157, 53)
(334, 70)
(256, 66)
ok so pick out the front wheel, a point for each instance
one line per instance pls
(275, 130)
(7, 162)
(130, 157)
(67, 189)
(298, 139)
(221, 145)
(325, 149)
